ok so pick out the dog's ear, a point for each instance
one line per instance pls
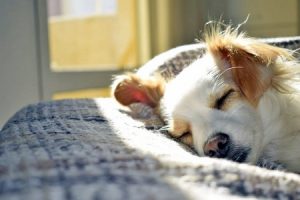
(246, 62)
(131, 88)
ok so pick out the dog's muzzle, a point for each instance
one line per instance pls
(217, 146)
(220, 146)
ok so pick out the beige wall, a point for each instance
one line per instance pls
(267, 18)
(185, 20)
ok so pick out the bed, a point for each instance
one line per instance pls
(93, 149)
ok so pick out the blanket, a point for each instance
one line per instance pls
(90, 149)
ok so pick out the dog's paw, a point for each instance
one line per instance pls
(140, 110)
(146, 114)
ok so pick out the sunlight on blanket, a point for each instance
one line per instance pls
(143, 140)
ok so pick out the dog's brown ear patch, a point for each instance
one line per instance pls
(246, 60)
(246, 71)
(131, 88)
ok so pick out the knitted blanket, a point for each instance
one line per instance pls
(92, 149)
(88, 149)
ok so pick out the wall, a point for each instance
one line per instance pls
(177, 22)
(25, 76)
(19, 83)
(267, 18)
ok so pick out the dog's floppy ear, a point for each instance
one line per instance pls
(132, 88)
(245, 60)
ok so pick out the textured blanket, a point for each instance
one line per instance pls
(92, 149)
(88, 149)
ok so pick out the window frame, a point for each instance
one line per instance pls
(52, 82)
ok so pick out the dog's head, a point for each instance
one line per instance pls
(217, 97)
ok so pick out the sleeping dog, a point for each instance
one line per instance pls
(239, 101)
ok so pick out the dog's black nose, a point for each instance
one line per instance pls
(217, 146)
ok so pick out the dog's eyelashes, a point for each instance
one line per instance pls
(221, 101)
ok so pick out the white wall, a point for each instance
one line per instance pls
(19, 84)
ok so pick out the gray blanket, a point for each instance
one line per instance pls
(90, 149)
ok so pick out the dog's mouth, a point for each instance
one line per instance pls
(238, 153)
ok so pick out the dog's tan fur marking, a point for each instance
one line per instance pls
(130, 88)
(178, 127)
(247, 60)
(187, 139)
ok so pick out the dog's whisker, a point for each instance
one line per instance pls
(230, 68)
(164, 128)
(219, 79)
(295, 51)
(239, 156)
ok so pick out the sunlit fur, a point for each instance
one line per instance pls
(262, 112)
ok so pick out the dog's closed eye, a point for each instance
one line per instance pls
(220, 102)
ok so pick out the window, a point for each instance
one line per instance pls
(93, 35)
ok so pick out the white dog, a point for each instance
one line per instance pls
(239, 101)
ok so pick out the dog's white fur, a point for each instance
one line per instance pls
(261, 112)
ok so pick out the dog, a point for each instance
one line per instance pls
(239, 101)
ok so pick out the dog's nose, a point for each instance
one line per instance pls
(217, 146)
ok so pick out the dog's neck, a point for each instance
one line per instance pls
(270, 110)
(280, 115)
